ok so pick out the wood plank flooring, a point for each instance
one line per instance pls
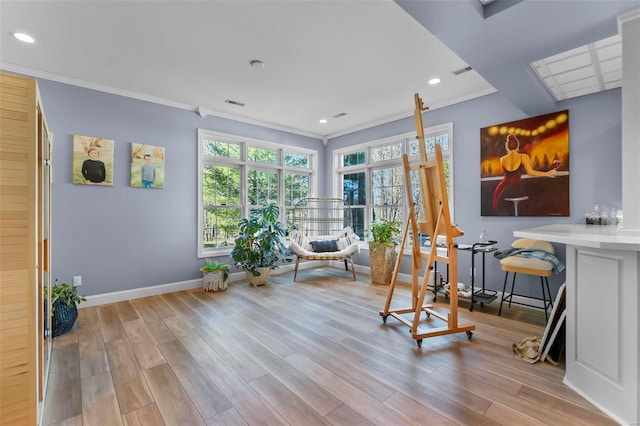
(314, 352)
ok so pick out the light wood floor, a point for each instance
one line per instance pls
(311, 352)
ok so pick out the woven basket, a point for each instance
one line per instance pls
(382, 260)
(262, 279)
(63, 317)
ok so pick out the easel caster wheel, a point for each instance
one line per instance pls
(384, 319)
(419, 342)
(469, 335)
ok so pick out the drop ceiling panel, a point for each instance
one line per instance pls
(583, 70)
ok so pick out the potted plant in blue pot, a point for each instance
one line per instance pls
(64, 310)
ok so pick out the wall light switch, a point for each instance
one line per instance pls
(77, 281)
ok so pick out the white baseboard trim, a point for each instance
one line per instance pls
(154, 290)
(136, 293)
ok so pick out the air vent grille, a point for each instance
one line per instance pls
(232, 102)
(342, 114)
(462, 70)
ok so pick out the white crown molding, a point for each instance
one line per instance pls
(19, 69)
(409, 113)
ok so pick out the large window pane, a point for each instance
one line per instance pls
(296, 160)
(262, 155)
(354, 188)
(219, 148)
(386, 186)
(358, 217)
(262, 187)
(220, 226)
(386, 152)
(296, 187)
(220, 185)
(429, 143)
(353, 159)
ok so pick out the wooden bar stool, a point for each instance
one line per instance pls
(528, 266)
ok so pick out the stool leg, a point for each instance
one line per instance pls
(513, 283)
(544, 299)
(546, 280)
(504, 287)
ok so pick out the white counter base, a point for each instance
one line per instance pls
(602, 339)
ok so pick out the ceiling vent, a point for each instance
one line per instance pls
(232, 102)
(342, 114)
(462, 70)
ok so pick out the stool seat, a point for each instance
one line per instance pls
(528, 266)
(524, 265)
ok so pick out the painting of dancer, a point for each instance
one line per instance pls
(524, 167)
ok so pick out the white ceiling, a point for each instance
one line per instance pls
(322, 58)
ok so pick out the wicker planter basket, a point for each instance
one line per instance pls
(382, 262)
(63, 317)
(262, 279)
(213, 281)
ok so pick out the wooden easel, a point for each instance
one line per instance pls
(437, 223)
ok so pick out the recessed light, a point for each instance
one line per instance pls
(256, 63)
(323, 121)
(434, 81)
(24, 37)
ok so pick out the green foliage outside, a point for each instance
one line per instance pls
(221, 190)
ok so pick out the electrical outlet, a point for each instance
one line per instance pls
(77, 281)
(472, 272)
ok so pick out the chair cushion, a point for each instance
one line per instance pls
(527, 243)
(526, 263)
(323, 246)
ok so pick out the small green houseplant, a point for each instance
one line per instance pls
(383, 238)
(64, 311)
(384, 232)
(259, 244)
(214, 275)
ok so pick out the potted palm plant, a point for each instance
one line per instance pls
(259, 244)
(64, 310)
(383, 238)
(214, 275)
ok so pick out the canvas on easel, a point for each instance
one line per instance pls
(438, 226)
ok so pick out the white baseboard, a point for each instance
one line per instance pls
(154, 290)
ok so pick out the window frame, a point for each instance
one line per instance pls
(369, 166)
(245, 165)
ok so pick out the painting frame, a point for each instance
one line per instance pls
(92, 162)
(147, 166)
(524, 167)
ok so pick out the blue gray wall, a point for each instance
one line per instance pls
(595, 169)
(120, 238)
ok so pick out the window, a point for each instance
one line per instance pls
(237, 175)
(372, 176)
